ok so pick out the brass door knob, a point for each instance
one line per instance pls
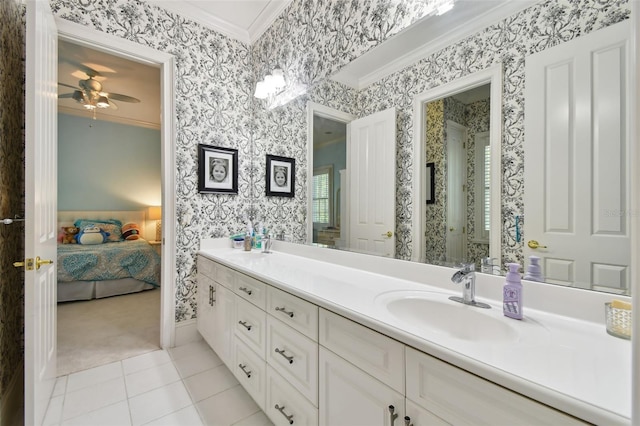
(388, 234)
(533, 244)
(40, 262)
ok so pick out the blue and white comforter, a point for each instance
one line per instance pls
(109, 261)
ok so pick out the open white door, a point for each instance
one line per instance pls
(456, 194)
(40, 210)
(371, 160)
(577, 165)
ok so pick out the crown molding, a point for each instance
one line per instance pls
(266, 18)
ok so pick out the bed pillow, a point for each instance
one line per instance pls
(111, 226)
(130, 231)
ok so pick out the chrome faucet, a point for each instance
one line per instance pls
(466, 276)
(266, 244)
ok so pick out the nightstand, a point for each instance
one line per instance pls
(157, 245)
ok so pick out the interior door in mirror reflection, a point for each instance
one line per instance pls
(371, 159)
(577, 186)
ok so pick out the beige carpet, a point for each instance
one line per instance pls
(97, 332)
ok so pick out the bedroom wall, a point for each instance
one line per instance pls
(12, 39)
(107, 166)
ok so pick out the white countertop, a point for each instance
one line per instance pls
(569, 363)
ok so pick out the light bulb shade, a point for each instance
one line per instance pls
(102, 102)
(154, 213)
(261, 90)
(77, 96)
(277, 79)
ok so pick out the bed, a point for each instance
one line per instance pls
(102, 270)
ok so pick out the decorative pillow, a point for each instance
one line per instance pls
(111, 226)
(130, 231)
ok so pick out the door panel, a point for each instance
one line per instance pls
(372, 170)
(577, 160)
(40, 208)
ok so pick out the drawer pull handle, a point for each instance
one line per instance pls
(288, 358)
(407, 421)
(392, 415)
(242, 367)
(290, 313)
(246, 290)
(281, 409)
(245, 325)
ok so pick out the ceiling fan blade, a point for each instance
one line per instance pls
(65, 95)
(123, 98)
(113, 105)
(68, 85)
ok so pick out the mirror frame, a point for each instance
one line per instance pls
(493, 76)
(314, 108)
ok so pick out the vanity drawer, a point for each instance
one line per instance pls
(225, 276)
(294, 356)
(376, 354)
(459, 397)
(251, 372)
(206, 267)
(250, 326)
(251, 289)
(293, 311)
(285, 405)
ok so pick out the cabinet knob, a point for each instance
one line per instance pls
(281, 409)
(245, 325)
(246, 290)
(392, 415)
(407, 421)
(288, 358)
(290, 313)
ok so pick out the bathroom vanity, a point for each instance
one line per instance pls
(323, 337)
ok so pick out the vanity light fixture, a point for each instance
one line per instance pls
(444, 6)
(271, 84)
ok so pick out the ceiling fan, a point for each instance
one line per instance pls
(91, 95)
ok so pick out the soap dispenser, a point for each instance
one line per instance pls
(534, 270)
(512, 293)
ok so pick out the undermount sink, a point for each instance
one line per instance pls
(434, 312)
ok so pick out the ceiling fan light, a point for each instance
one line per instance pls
(102, 102)
(89, 106)
(77, 96)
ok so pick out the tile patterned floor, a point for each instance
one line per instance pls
(187, 386)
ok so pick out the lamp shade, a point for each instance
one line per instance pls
(154, 213)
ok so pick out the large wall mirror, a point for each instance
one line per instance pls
(466, 203)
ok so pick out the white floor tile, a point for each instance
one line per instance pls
(258, 419)
(158, 403)
(151, 378)
(148, 360)
(92, 376)
(197, 362)
(54, 411)
(112, 415)
(189, 349)
(210, 382)
(186, 417)
(93, 397)
(227, 408)
(61, 386)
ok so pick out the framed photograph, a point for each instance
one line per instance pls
(431, 183)
(217, 170)
(281, 176)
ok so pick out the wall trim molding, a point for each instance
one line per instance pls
(110, 118)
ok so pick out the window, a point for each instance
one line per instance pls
(322, 190)
(482, 186)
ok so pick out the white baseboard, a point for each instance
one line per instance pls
(12, 401)
(187, 332)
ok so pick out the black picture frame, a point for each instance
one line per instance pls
(280, 176)
(211, 161)
(431, 183)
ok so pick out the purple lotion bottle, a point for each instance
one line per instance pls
(512, 293)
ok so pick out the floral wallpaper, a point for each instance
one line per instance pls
(12, 36)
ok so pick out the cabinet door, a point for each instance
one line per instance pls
(206, 319)
(351, 397)
(418, 416)
(224, 316)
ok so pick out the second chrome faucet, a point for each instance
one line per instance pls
(466, 276)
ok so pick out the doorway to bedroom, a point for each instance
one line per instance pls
(109, 181)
